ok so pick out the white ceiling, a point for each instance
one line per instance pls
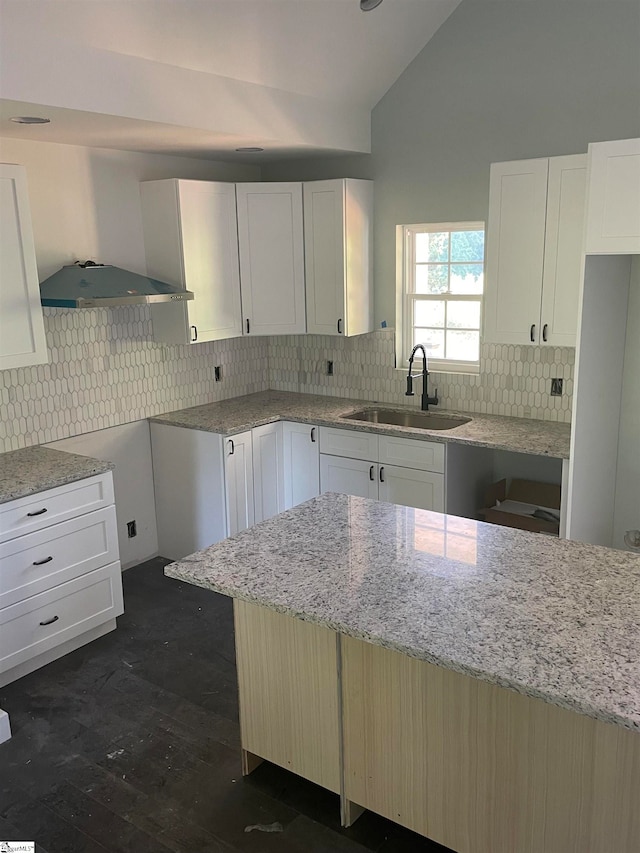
(312, 50)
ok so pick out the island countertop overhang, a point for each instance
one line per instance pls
(551, 619)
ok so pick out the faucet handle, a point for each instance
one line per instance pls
(409, 392)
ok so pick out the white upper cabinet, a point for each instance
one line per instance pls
(22, 337)
(613, 206)
(534, 251)
(191, 242)
(338, 221)
(562, 272)
(271, 243)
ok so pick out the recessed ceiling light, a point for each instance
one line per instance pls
(368, 5)
(30, 120)
(249, 150)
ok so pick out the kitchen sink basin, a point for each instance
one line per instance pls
(416, 420)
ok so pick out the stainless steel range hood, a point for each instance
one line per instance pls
(91, 285)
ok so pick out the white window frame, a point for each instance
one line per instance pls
(405, 271)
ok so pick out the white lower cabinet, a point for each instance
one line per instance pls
(404, 471)
(301, 463)
(238, 474)
(268, 471)
(61, 584)
(188, 477)
(357, 477)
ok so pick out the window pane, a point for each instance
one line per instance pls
(431, 278)
(467, 278)
(463, 315)
(428, 314)
(467, 245)
(434, 247)
(463, 346)
(433, 340)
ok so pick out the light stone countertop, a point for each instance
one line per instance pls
(552, 619)
(520, 435)
(36, 469)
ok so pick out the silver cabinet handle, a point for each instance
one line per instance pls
(50, 621)
(313, 434)
(382, 474)
(42, 562)
(371, 474)
(37, 512)
(194, 336)
(532, 332)
(340, 326)
(232, 446)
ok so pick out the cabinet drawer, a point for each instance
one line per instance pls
(34, 512)
(34, 563)
(411, 453)
(41, 622)
(349, 442)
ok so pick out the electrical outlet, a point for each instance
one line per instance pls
(329, 368)
(217, 372)
(132, 529)
(556, 387)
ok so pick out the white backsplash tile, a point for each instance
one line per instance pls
(105, 369)
(513, 380)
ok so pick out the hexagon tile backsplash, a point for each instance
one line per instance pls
(513, 380)
(105, 369)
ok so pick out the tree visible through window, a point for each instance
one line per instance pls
(443, 283)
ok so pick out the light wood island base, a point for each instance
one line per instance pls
(473, 766)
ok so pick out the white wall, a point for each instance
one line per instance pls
(129, 448)
(85, 202)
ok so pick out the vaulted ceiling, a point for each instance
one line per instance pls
(203, 77)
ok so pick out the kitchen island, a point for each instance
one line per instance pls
(479, 685)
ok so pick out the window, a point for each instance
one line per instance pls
(442, 283)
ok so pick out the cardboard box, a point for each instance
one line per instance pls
(514, 507)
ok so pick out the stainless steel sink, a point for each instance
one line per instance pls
(417, 420)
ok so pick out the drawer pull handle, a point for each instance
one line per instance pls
(37, 512)
(50, 621)
(532, 332)
(194, 336)
(371, 474)
(313, 434)
(382, 474)
(232, 447)
(544, 332)
(340, 326)
(42, 562)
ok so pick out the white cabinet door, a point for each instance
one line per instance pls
(238, 463)
(515, 251)
(268, 471)
(563, 250)
(613, 205)
(338, 221)
(188, 477)
(22, 338)
(348, 476)
(301, 451)
(190, 237)
(408, 487)
(270, 238)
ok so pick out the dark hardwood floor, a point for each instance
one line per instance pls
(131, 744)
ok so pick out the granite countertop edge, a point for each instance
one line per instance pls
(422, 654)
(282, 405)
(36, 469)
